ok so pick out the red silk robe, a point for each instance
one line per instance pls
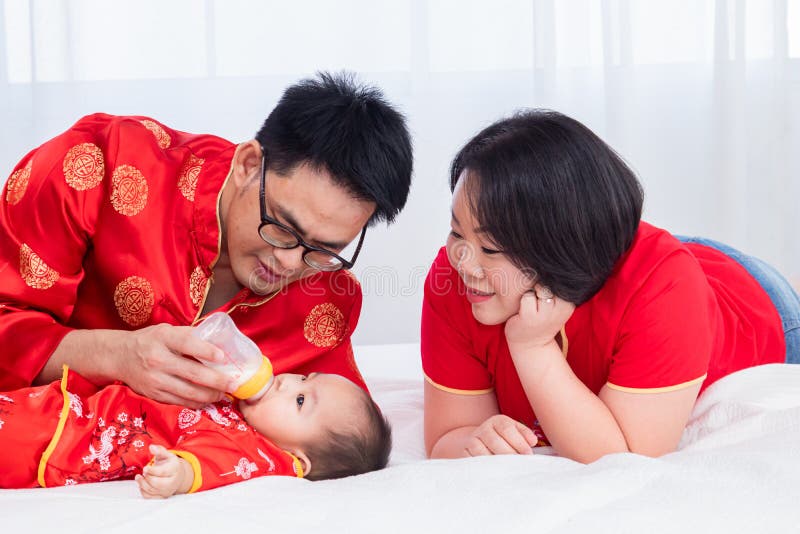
(114, 224)
(69, 432)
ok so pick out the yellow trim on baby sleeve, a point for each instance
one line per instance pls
(665, 389)
(196, 469)
(62, 421)
(458, 391)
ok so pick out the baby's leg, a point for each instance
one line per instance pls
(28, 420)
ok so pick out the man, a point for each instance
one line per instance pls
(121, 232)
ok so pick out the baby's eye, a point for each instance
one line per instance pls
(490, 251)
(455, 234)
(300, 400)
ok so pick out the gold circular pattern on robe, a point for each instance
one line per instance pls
(324, 325)
(187, 177)
(197, 285)
(162, 137)
(83, 166)
(18, 183)
(129, 190)
(134, 299)
(36, 273)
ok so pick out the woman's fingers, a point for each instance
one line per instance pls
(530, 437)
(544, 294)
(475, 447)
(496, 443)
(512, 435)
(501, 435)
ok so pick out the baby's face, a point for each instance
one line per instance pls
(296, 410)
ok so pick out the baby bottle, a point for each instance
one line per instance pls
(244, 363)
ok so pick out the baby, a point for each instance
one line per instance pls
(69, 432)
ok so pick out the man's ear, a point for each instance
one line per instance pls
(246, 163)
(304, 461)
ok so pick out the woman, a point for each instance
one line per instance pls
(555, 315)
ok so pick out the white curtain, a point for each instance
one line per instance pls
(702, 97)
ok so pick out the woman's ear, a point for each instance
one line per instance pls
(246, 164)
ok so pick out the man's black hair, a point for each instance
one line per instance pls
(349, 130)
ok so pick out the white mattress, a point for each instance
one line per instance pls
(738, 470)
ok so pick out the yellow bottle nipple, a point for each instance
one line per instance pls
(256, 382)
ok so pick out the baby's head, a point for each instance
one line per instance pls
(326, 421)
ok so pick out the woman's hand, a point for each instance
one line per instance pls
(151, 361)
(500, 434)
(166, 476)
(541, 316)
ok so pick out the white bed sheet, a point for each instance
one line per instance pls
(738, 470)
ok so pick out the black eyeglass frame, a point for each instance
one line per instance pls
(266, 220)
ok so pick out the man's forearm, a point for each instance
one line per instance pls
(89, 352)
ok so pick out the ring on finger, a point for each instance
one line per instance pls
(544, 293)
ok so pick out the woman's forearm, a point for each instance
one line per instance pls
(452, 444)
(576, 421)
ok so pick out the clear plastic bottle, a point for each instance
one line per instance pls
(244, 363)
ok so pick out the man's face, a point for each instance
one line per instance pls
(297, 410)
(307, 200)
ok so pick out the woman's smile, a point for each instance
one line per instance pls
(475, 296)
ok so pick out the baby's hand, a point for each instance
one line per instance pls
(164, 477)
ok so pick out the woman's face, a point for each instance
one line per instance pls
(494, 285)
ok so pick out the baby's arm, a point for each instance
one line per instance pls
(167, 475)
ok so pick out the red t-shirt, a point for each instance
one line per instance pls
(669, 316)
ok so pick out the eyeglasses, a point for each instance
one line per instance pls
(279, 235)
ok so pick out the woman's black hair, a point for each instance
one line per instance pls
(348, 130)
(552, 196)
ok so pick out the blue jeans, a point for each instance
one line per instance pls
(785, 299)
